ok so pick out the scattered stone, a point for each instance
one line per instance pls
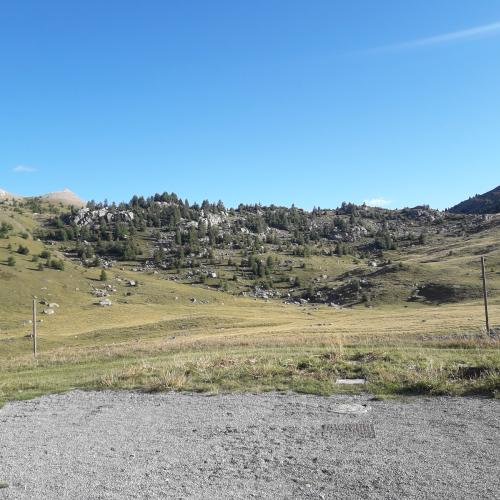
(48, 311)
(350, 381)
(105, 303)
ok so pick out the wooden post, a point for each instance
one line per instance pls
(485, 295)
(34, 327)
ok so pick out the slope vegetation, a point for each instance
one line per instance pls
(167, 329)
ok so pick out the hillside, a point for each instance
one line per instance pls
(253, 298)
(340, 257)
(487, 203)
(344, 256)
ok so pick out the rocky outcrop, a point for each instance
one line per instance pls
(87, 217)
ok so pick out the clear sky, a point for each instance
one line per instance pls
(310, 102)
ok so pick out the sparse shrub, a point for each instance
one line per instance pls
(23, 250)
(57, 264)
(4, 229)
(103, 276)
(11, 261)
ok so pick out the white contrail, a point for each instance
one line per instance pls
(468, 34)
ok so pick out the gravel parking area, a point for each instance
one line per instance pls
(118, 445)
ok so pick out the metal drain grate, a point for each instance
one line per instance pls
(349, 430)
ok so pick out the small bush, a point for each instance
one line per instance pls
(23, 250)
(11, 261)
(4, 229)
(56, 264)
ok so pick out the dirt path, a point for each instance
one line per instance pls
(93, 445)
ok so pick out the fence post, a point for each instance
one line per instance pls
(34, 327)
(485, 296)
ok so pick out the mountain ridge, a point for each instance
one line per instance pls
(486, 203)
(65, 196)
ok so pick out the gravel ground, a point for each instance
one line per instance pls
(100, 445)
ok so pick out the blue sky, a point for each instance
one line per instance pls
(306, 102)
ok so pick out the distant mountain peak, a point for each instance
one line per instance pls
(65, 196)
(5, 195)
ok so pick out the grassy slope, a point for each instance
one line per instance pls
(158, 339)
